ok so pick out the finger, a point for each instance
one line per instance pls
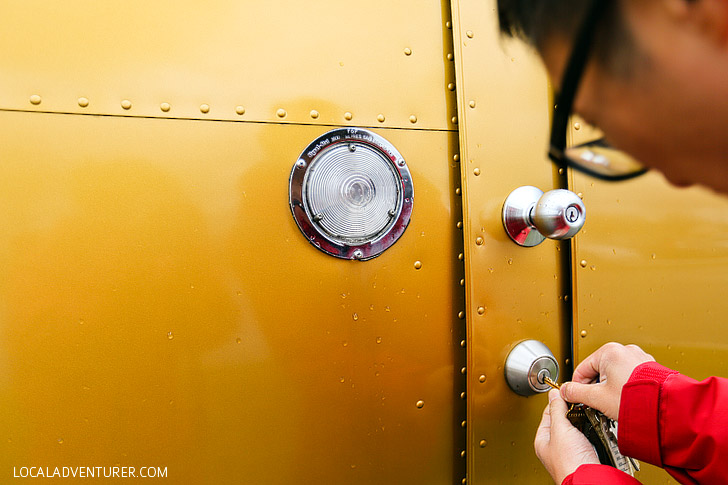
(589, 369)
(543, 434)
(557, 410)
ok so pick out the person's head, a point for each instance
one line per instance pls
(656, 82)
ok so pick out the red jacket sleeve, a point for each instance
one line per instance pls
(676, 422)
(599, 475)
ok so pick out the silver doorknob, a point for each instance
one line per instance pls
(527, 365)
(530, 216)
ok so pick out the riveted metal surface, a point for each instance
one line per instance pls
(160, 307)
(271, 57)
(503, 101)
(653, 272)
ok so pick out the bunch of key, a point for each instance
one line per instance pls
(601, 432)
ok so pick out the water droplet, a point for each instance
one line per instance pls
(401, 291)
(592, 267)
(345, 343)
(653, 256)
(371, 307)
(192, 287)
(238, 340)
(80, 321)
(355, 317)
(240, 293)
(60, 441)
(510, 260)
(386, 309)
(491, 270)
(376, 374)
(170, 335)
(343, 295)
(379, 340)
(86, 388)
(341, 379)
(518, 320)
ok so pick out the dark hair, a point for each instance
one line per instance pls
(536, 21)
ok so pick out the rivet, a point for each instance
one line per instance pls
(126, 104)
(463, 395)
(240, 110)
(456, 158)
(461, 315)
(35, 99)
(380, 118)
(348, 116)
(454, 120)
(165, 107)
(358, 254)
(464, 371)
(463, 344)
(481, 310)
(577, 126)
(461, 256)
(483, 443)
(459, 224)
(472, 103)
(418, 264)
(464, 424)
(458, 191)
(583, 263)
(420, 404)
(407, 51)
(352, 147)
(476, 171)
(401, 163)
(479, 241)
(281, 113)
(451, 86)
(301, 163)
(449, 56)
(204, 108)
(448, 24)
(464, 481)
(83, 102)
(314, 114)
(462, 454)
(469, 33)
(462, 282)
(583, 333)
(413, 119)
(561, 171)
(580, 195)
(481, 379)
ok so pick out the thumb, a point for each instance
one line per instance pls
(576, 392)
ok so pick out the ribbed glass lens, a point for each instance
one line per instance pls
(352, 193)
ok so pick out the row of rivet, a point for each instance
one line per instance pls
(240, 110)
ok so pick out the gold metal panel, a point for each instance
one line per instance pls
(376, 64)
(651, 268)
(159, 307)
(512, 293)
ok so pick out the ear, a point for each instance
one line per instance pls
(708, 18)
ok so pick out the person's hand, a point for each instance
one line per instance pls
(613, 364)
(559, 445)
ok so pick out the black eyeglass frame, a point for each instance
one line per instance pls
(569, 85)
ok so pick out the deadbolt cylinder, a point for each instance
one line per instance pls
(526, 366)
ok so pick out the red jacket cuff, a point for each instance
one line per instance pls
(599, 475)
(638, 432)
